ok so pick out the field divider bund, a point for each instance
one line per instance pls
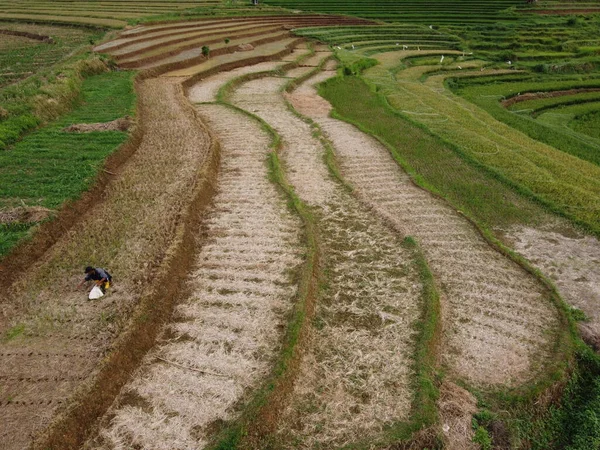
(201, 58)
(240, 63)
(194, 22)
(70, 429)
(249, 32)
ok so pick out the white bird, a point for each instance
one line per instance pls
(460, 67)
(442, 59)
(352, 46)
(509, 62)
(418, 48)
(397, 43)
(405, 47)
(431, 27)
(338, 47)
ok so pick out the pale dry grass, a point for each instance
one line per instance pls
(456, 407)
(485, 342)
(206, 90)
(128, 233)
(355, 377)
(571, 259)
(227, 332)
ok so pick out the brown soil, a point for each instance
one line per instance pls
(549, 94)
(228, 329)
(484, 341)
(354, 379)
(130, 232)
(25, 214)
(121, 124)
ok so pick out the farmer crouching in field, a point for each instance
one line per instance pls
(100, 276)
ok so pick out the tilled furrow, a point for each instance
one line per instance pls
(356, 375)
(465, 265)
(227, 331)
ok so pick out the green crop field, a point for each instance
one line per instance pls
(50, 166)
(21, 57)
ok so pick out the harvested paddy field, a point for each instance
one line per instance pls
(356, 375)
(285, 280)
(227, 330)
(484, 342)
(57, 343)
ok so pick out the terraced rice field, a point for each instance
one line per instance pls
(21, 56)
(102, 14)
(408, 11)
(485, 343)
(283, 279)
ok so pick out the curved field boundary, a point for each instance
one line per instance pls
(239, 297)
(345, 319)
(228, 65)
(300, 19)
(224, 49)
(560, 181)
(123, 41)
(547, 94)
(150, 42)
(191, 41)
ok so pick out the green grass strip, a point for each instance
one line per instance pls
(49, 166)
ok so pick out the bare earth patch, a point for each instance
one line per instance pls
(227, 331)
(549, 94)
(355, 377)
(498, 321)
(457, 406)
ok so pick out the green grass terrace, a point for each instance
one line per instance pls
(421, 11)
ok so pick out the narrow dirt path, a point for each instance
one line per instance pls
(499, 322)
(226, 333)
(355, 376)
(56, 340)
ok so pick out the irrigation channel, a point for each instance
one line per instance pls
(294, 280)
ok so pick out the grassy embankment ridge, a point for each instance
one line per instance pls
(435, 166)
(49, 166)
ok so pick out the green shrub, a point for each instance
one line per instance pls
(482, 437)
